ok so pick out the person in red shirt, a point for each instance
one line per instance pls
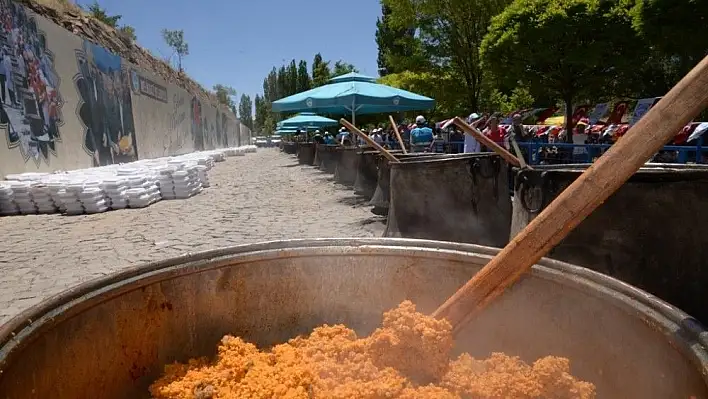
(495, 132)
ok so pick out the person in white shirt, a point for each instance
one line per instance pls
(471, 144)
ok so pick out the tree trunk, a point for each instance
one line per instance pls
(568, 119)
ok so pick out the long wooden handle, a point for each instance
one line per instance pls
(680, 105)
(517, 151)
(472, 131)
(398, 135)
(368, 139)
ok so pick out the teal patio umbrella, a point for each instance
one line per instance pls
(285, 131)
(353, 94)
(307, 120)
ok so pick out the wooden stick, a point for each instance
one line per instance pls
(398, 135)
(368, 139)
(472, 131)
(680, 105)
(517, 151)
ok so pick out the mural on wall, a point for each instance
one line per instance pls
(225, 129)
(177, 117)
(197, 124)
(105, 109)
(30, 113)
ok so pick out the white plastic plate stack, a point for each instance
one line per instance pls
(8, 206)
(167, 187)
(70, 198)
(93, 198)
(114, 187)
(23, 197)
(203, 175)
(182, 184)
(42, 198)
(56, 188)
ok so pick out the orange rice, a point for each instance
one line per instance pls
(407, 358)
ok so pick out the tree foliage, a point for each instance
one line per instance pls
(673, 28)
(320, 71)
(175, 39)
(395, 44)
(245, 111)
(569, 49)
(449, 36)
(224, 94)
(95, 10)
(304, 82)
(343, 68)
(98, 12)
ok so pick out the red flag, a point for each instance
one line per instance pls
(618, 112)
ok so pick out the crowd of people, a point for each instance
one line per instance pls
(547, 144)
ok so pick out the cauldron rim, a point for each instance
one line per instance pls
(428, 161)
(649, 173)
(687, 336)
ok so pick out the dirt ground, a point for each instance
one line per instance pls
(259, 197)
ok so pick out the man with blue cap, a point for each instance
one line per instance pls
(421, 135)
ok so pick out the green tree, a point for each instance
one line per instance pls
(128, 32)
(261, 110)
(520, 98)
(291, 79)
(224, 94)
(98, 12)
(394, 43)
(270, 86)
(449, 35)
(343, 68)
(569, 49)
(320, 71)
(245, 111)
(175, 39)
(304, 82)
(670, 26)
(282, 83)
(440, 87)
(95, 10)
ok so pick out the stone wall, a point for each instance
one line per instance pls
(68, 103)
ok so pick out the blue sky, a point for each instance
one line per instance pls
(237, 42)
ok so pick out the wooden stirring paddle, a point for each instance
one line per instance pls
(479, 136)
(368, 139)
(680, 105)
(398, 135)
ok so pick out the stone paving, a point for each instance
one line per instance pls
(259, 197)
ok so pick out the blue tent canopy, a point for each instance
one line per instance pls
(356, 94)
(308, 120)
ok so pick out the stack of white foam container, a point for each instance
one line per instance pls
(42, 198)
(115, 188)
(136, 184)
(8, 206)
(70, 198)
(22, 191)
(93, 198)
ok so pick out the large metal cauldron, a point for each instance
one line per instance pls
(651, 233)
(110, 338)
(290, 147)
(457, 197)
(345, 172)
(328, 156)
(306, 153)
(367, 172)
(380, 199)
